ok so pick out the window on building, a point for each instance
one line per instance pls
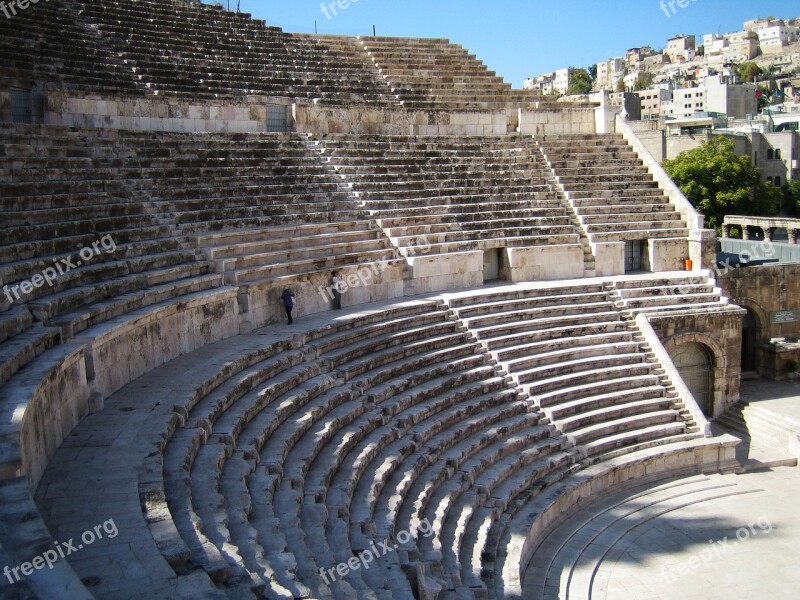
(777, 154)
(777, 181)
(770, 154)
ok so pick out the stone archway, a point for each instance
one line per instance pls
(695, 363)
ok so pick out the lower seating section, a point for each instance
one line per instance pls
(583, 363)
(440, 195)
(297, 465)
(427, 428)
(614, 195)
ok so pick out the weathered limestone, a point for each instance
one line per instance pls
(444, 272)
(545, 263)
(124, 348)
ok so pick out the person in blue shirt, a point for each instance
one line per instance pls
(288, 303)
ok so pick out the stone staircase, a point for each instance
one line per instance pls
(672, 294)
(585, 365)
(613, 195)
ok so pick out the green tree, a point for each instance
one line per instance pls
(592, 70)
(644, 81)
(620, 86)
(718, 182)
(579, 82)
(748, 72)
(791, 198)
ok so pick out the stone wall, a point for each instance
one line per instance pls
(722, 335)
(159, 114)
(769, 292)
(320, 119)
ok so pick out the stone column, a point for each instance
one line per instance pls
(726, 232)
(769, 233)
(747, 232)
(794, 234)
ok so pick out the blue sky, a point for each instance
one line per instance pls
(522, 38)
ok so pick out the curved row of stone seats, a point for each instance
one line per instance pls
(587, 367)
(671, 294)
(49, 43)
(408, 376)
(294, 250)
(613, 193)
(200, 51)
(62, 195)
(210, 182)
(434, 74)
(447, 194)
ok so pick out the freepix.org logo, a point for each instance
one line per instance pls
(670, 7)
(10, 9)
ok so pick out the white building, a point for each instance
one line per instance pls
(609, 72)
(561, 82)
(776, 36)
(714, 95)
(550, 83)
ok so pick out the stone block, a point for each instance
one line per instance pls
(609, 258)
(544, 263)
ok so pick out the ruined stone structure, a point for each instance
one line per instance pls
(170, 168)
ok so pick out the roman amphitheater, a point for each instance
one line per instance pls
(509, 398)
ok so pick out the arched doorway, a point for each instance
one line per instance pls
(749, 343)
(695, 364)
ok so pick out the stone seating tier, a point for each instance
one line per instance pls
(399, 175)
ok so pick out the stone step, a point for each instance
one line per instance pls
(609, 380)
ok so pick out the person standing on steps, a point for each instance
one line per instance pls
(288, 303)
(336, 286)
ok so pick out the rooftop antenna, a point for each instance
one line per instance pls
(373, 32)
(315, 27)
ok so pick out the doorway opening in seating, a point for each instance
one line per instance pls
(750, 335)
(277, 118)
(634, 250)
(492, 264)
(695, 364)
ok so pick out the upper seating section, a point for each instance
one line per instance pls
(49, 43)
(446, 194)
(136, 204)
(194, 50)
(430, 74)
(199, 51)
(613, 193)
